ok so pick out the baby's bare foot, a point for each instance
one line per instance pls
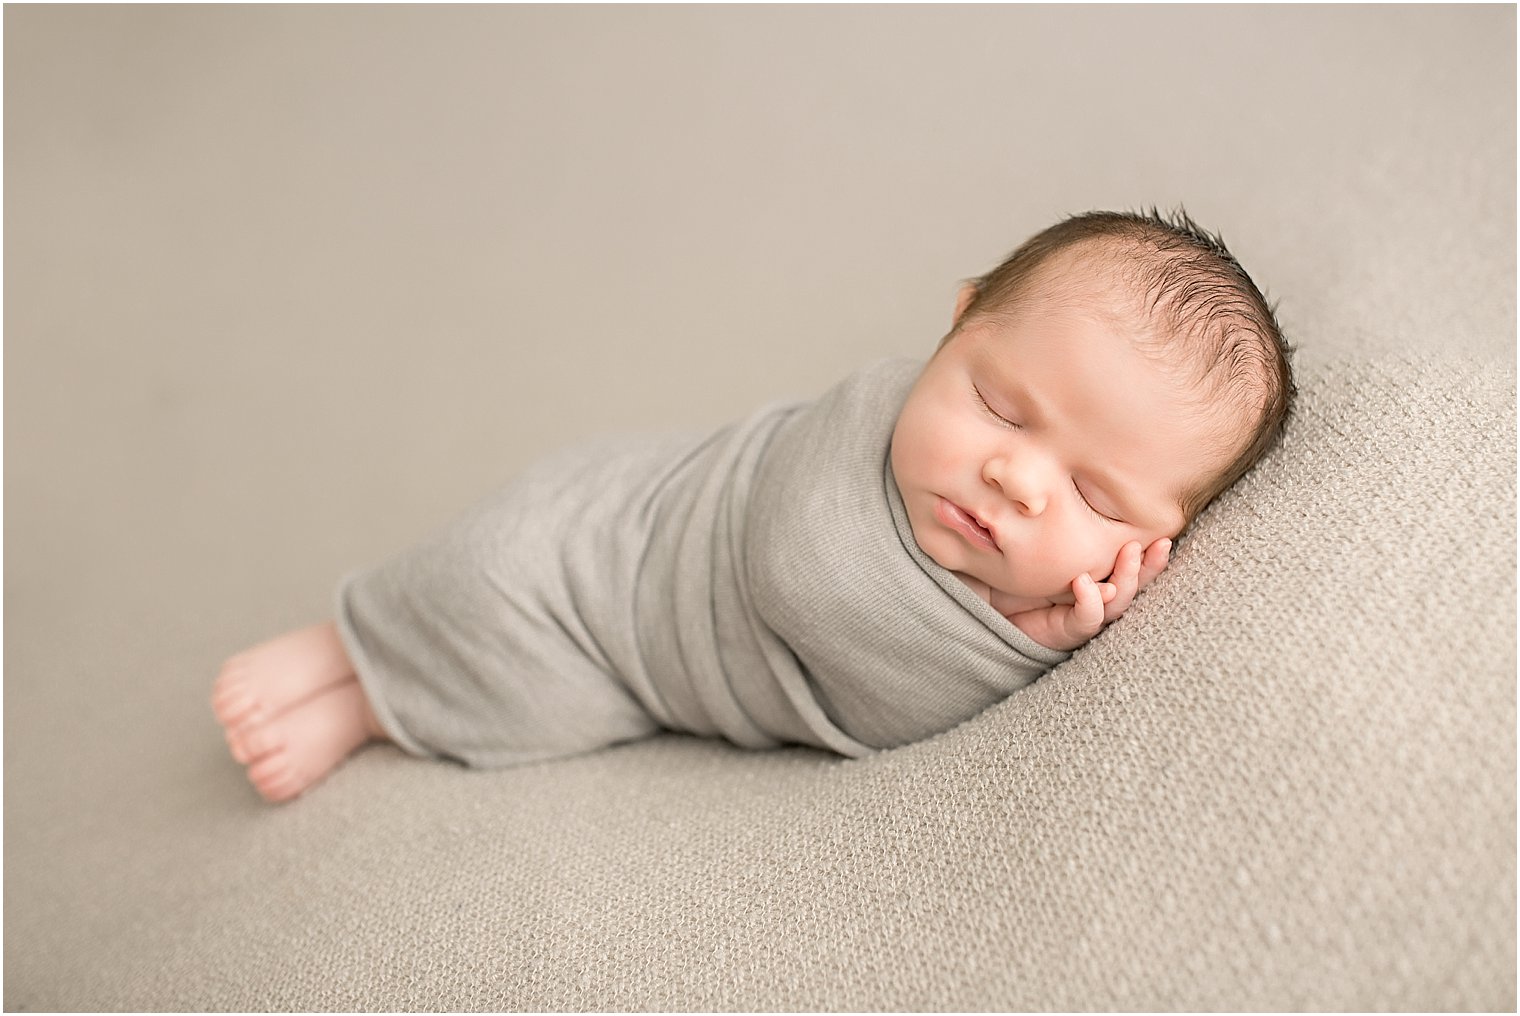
(259, 683)
(289, 753)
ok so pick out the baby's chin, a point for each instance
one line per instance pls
(1008, 601)
(990, 587)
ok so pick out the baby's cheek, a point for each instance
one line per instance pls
(1057, 562)
(938, 450)
(1100, 562)
(1045, 570)
(916, 446)
(937, 437)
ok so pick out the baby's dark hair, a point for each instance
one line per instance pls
(1195, 294)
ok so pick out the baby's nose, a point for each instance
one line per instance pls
(1028, 502)
(1025, 484)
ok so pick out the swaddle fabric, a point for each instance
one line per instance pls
(760, 584)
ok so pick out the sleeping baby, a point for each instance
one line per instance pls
(853, 573)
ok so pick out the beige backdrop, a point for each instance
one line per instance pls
(287, 286)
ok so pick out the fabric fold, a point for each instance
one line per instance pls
(760, 583)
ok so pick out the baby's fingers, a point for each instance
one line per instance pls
(1126, 579)
(1157, 556)
(1085, 617)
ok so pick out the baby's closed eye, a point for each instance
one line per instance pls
(999, 417)
(1091, 507)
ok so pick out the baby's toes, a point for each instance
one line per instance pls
(250, 745)
(237, 711)
(275, 778)
(232, 697)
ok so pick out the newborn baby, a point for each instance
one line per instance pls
(853, 573)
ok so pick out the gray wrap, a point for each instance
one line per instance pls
(760, 584)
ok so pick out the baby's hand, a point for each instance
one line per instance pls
(1066, 626)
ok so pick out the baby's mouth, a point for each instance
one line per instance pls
(963, 522)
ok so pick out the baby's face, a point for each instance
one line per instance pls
(1038, 443)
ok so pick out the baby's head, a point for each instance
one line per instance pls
(1103, 384)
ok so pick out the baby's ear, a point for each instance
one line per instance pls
(963, 298)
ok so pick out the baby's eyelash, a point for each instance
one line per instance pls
(992, 412)
(1088, 504)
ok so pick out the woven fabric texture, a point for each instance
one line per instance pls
(1285, 781)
